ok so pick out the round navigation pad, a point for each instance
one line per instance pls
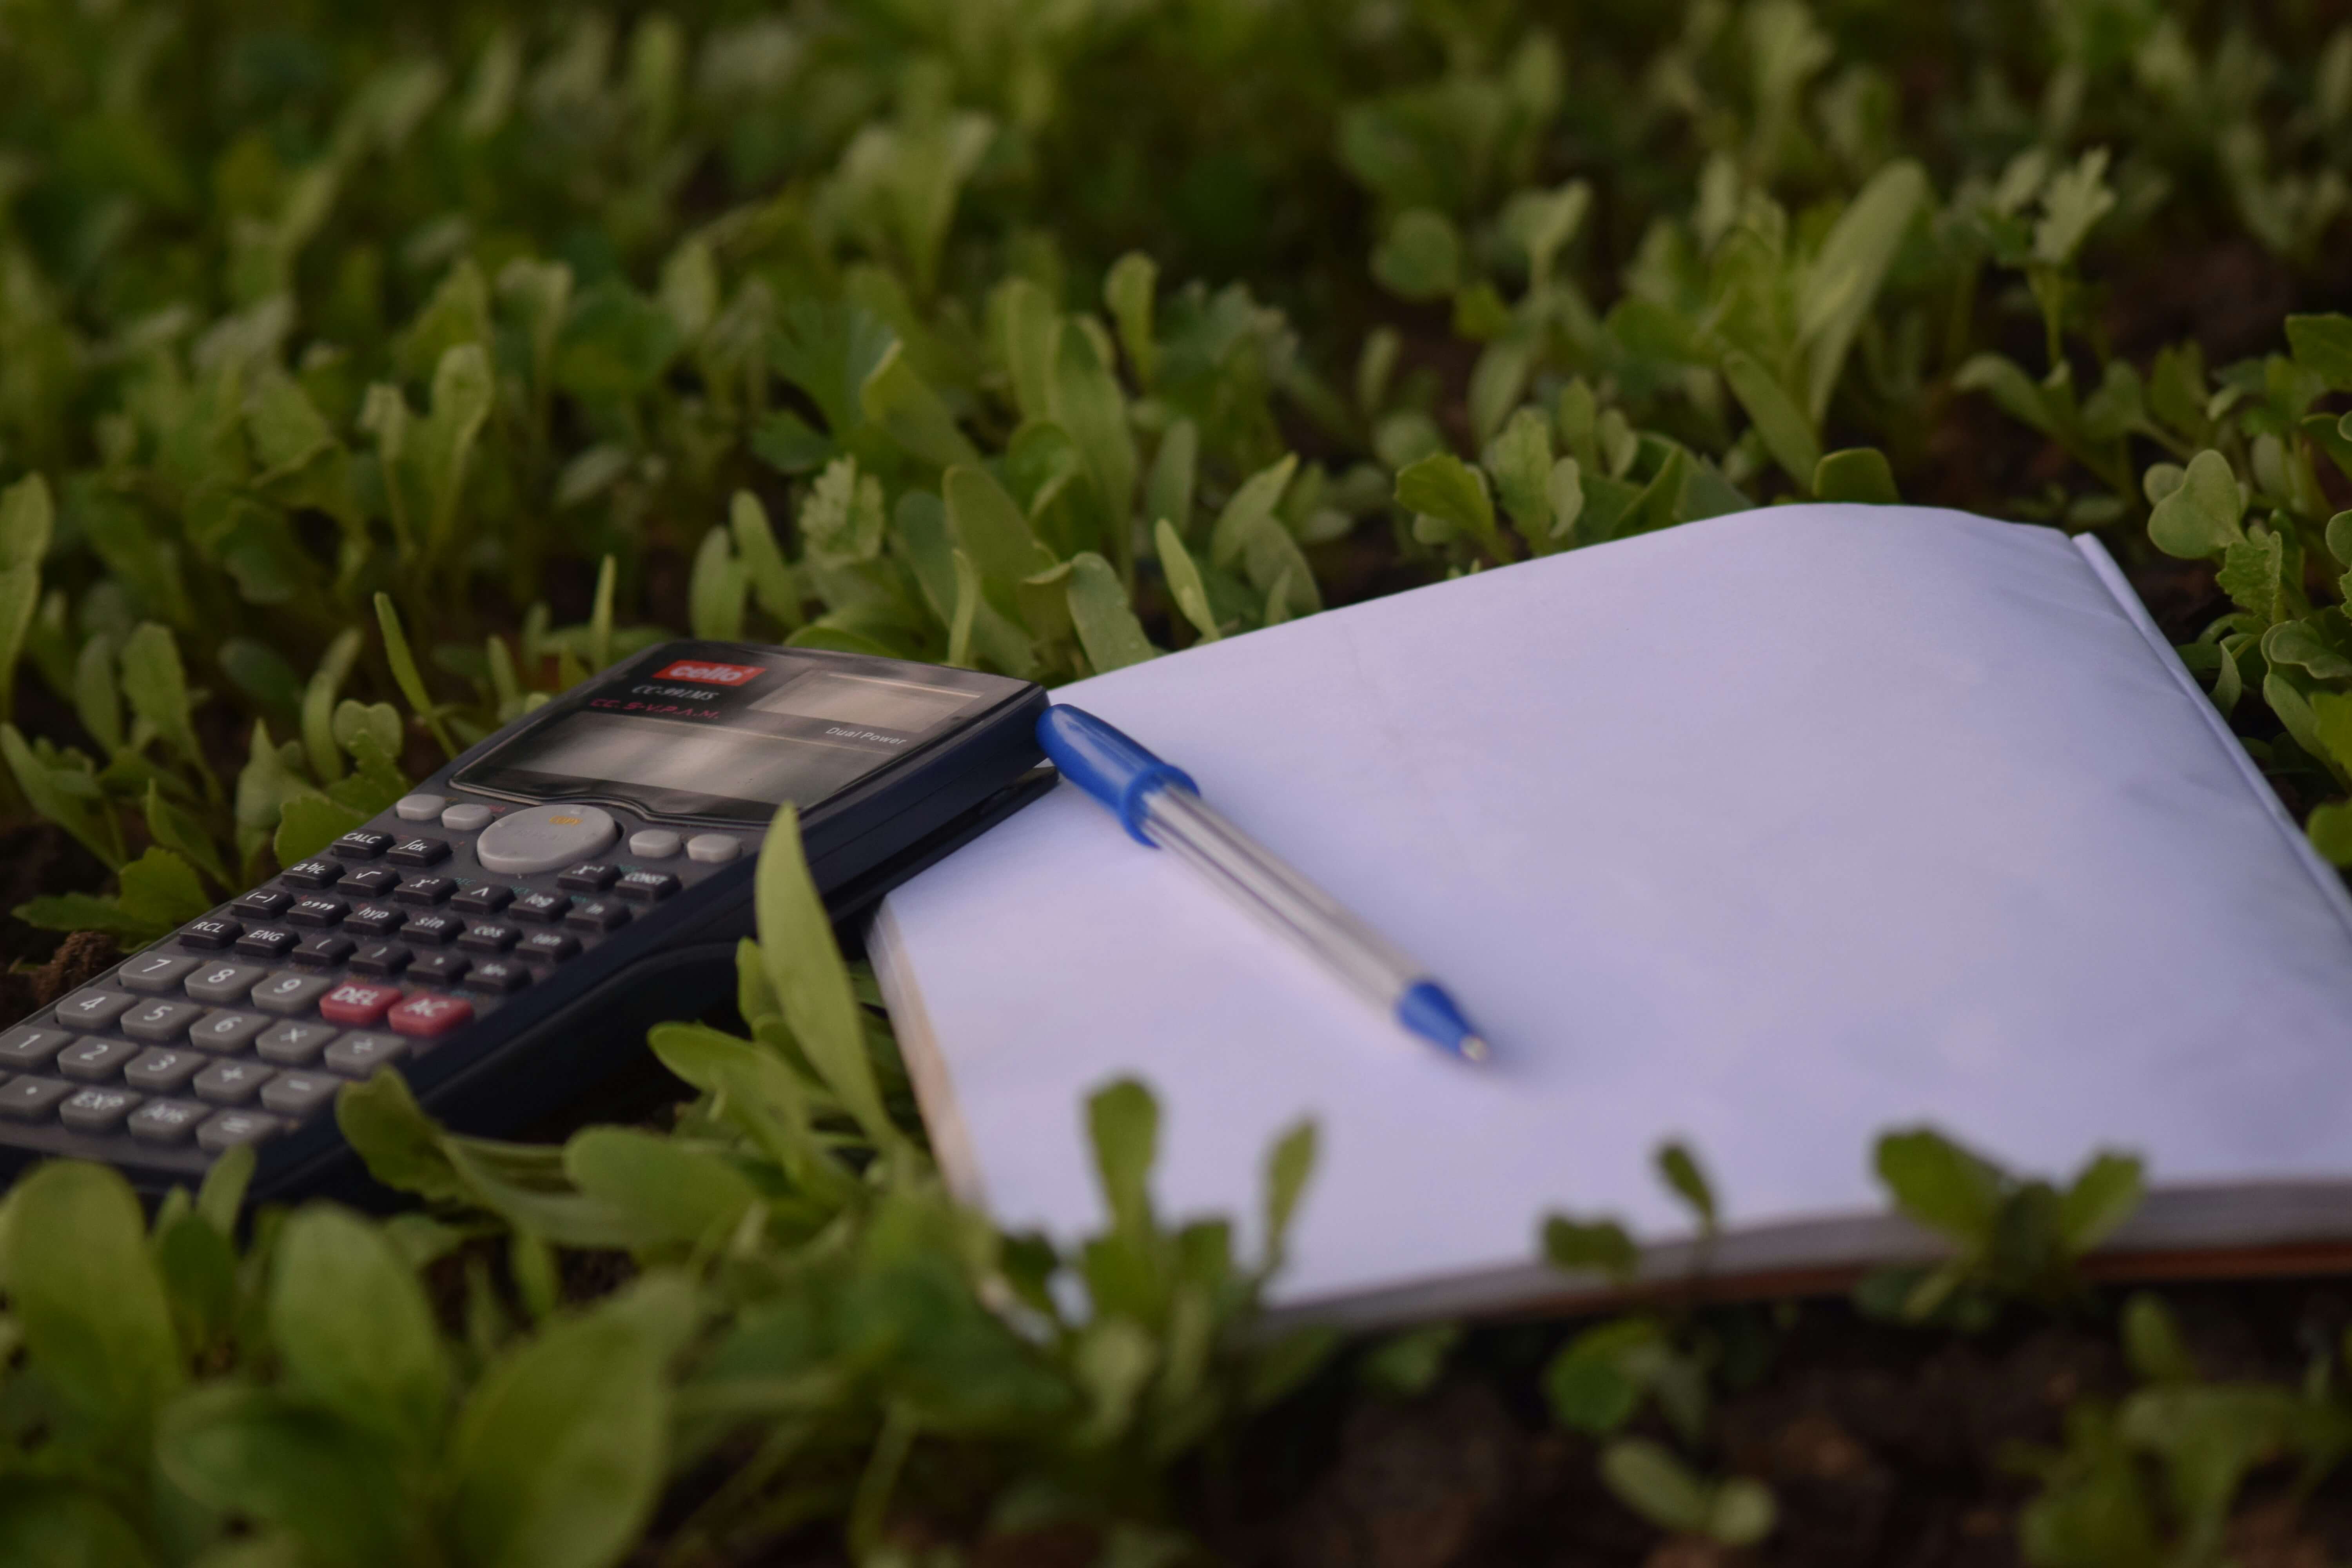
(543, 838)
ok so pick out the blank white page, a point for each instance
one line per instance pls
(1768, 832)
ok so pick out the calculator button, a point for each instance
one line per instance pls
(229, 1031)
(213, 933)
(488, 936)
(165, 1120)
(297, 1094)
(323, 952)
(288, 993)
(160, 1022)
(440, 968)
(552, 946)
(94, 1008)
(466, 818)
(360, 845)
(356, 1002)
(293, 1045)
(713, 849)
(356, 1056)
(95, 1061)
(224, 982)
(370, 882)
(231, 1083)
(431, 930)
(163, 1072)
(97, 1109)
(498, 976)
(543, 838)
(263, 903)
(541, 907)
(588, 877)
(428, 1015)
(487, 900)
(381, 959)
(653, 844)
(597, 914)
(270, 942)
(317, 912)
(375, 920)
(646, 887)
(155, 972)
(231, 1128)
(22, 1048)
(312, 873)
(419, 852)
(31, 1098)
(426, 890)
(418, 807)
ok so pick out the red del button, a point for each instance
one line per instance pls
(427, 1015)
(354, 1002)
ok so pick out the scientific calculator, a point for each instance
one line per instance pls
(505, 935)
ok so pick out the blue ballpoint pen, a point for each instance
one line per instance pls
(1162, 807)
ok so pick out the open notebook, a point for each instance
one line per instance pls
(1768, 832)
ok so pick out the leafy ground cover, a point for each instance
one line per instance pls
(368, 374)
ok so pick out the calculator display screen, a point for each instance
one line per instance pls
(733, 741)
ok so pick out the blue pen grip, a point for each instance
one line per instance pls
(1106, 765)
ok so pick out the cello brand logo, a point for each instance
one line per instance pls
(711, 674)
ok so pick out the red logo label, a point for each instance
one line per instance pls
(711, 674)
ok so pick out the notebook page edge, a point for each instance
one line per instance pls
(926, 1066)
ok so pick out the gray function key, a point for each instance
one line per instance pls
(713, 849)
(297, 1094)
(160, 1022)
(31, 1098)
(654, 843)
(231, 1083)
(466, 817)
(360, 845)
(94, 1008)
(21, 1049)
(155, 972)
(646, 887)
(224, 982)
(317, 911)
(541, 907)
(163, 1072)
(596, 914)
(212, 933)
(95, 1061)
(97, 1109)
(418, 807)
(543, 838)
(294, 1044)
(229, 1031)
(289, 994)
(231, 1128)
(166, 1120)
(263, 903)
(356, 1056)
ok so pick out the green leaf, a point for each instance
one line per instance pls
(1780, 423)
(253, 1452)
(1595, 1246)
(401, 1146)
(1519, 458)
(2074, 199)
(1185, 582)
(1421, 259)
(443, 444)
(319, 706)
(183, 834)
(2254, 575)
(895, 398)
(1407, 1364)
(25, 528)
(673, 1190)
(1250, 512)
(614, 344)
(811, 982)
(1565, 490)
(771, 581)
(1444, 487)
(717, 589)
(308, 823)
(157, 687)
(990, 526)
(87, 1297)
(2330, 830)
(1847, 272)
(1128, 290)
(1744, 1512)
(1087, 403)
(560, 1453)
(2152, 1341)
(2323, 346)
(1168, 488)
(48, 1522)
(1106, 622)
(1650, 1481)
(159, 891)
(352, 1328)
(1123, 1129)
(404, 673)
(1859, 474)
(1941, 1185)
(2104, 1195)
(1288, 1164)
(1681, 1171)
(2200, 518)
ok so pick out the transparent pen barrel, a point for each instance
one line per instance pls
(1178, 821)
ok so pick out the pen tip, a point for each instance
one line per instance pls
(1473, 1048)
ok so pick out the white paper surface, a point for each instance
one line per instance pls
(1770, 832)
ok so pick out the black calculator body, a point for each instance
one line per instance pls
(505, 934)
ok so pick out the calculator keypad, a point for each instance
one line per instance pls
(245, 1023)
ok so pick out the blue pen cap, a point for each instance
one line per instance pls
(1106, 765)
